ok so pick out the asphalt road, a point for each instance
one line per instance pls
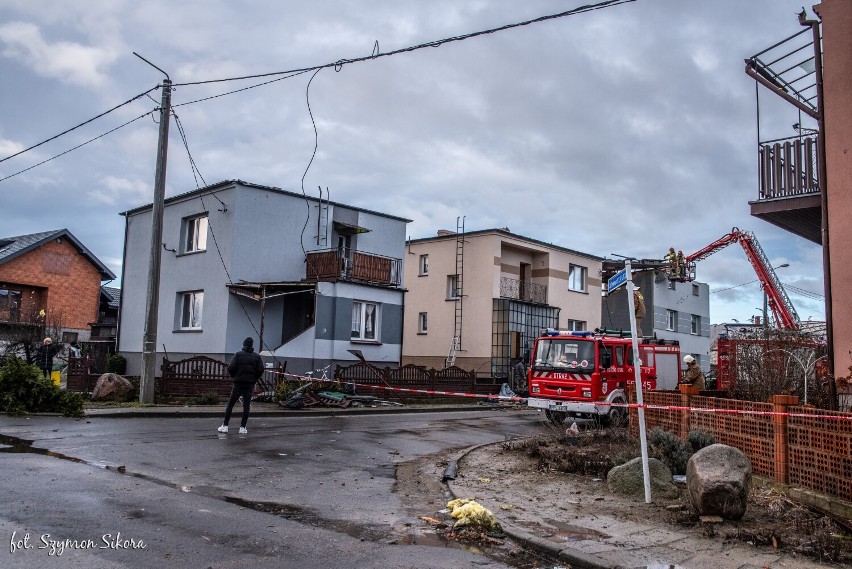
(307, 491)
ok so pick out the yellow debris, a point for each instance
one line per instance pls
(484, 479)
(469, 512)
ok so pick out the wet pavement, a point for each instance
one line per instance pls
(554, 523)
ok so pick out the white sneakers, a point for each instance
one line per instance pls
(243, 430)
(223, 429)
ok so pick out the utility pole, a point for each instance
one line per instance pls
(149, 342)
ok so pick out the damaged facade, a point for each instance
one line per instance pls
(311, 280)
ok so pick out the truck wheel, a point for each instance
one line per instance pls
(555, 417)
(616, 417)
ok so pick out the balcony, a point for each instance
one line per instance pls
(789, 188)
(520, 290)
(344, 264)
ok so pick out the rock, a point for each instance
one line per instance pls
(111, 387)
(718, 478)
(628, 479)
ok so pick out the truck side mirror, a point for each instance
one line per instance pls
(606, 359)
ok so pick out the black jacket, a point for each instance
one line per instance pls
(44, 356)
(246, 366)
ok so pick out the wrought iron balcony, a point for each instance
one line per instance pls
(346, 264)
(519, 290)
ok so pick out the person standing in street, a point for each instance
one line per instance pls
(44, 356)
(246, 368)
(693, 375)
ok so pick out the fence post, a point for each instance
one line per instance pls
(686, 393)
(780, 406)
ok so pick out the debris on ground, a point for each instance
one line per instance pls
(469, 512)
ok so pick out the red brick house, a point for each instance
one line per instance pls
(49, 281)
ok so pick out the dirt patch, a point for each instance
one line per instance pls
(576, 465)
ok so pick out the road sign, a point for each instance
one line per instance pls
(617, 280)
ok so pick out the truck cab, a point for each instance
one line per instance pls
(588, 374)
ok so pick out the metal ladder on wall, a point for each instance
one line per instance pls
(455, 345)
(322, 219)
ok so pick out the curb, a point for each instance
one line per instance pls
(218, 411)
(573, 556)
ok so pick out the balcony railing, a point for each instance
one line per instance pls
(350, 265)
(788, 168)
(521, 290)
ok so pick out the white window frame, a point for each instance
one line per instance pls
(671, 320)
(195, 233)
(576, 272)
(423, 265)
(422, 323)
(695, 324)
(695, 290)
(577, 325)
(191, 310)
(366, 321)
(452, 287)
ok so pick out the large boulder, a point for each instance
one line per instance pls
(629, 479)
(718, 478)
(111, 387)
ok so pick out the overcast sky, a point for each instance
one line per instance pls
(625, 130)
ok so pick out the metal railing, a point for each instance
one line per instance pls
(788, 167)
(523, 290)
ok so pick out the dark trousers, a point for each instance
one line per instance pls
(46, 372)
(245, 391)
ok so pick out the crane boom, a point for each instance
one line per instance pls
(777, 299)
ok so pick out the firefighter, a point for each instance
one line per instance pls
(693, 375)
(681, 264)
(671, 260)
(638, 309)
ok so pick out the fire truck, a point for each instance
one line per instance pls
(581, 374)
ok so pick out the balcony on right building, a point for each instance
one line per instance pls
(789, 188)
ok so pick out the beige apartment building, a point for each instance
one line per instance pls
(478, 299)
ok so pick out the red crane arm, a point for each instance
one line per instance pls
(720, 243)
(779, 302)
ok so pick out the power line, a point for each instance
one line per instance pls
(75, 147)
(127, 102)
(437, 43)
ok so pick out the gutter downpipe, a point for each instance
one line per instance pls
(823, 176)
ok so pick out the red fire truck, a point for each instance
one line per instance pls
(582, 374)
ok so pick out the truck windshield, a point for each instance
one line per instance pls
(568, 354)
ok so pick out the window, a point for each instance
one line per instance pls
(577, 278)
(696, 325)
(424, 265)
(190, 310)
(671, 320)
(10, 305)
(695, 290)
(452, 287)
(364, 320)
(421, 323)
(195, 234)
(672, 285)
(577, 325)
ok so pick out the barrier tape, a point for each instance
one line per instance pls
(307, 378)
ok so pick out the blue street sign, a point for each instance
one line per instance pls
(617, 280)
